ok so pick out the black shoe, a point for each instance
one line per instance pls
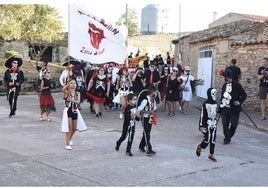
(198, 151)
(117, 146)
(150, 153)
(211, 157)
(11, 114)
(142, 150)
(97, 115)
(129, 154)
(100, 114)
(226, 141)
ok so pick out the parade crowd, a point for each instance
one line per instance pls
(137, 91)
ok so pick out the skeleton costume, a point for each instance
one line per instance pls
(233, 95)
(99, 89)
(78, 75)
(208, 121)
(14, 78)
(147, 119)
(124, 86)
(128, 127)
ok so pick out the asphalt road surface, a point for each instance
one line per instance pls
(32, 151)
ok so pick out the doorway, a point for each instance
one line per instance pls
(204, 70)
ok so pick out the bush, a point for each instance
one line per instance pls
(11, 53)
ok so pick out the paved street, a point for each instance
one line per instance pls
(32, 152)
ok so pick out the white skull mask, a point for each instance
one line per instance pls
(214, 94)
(79, 81)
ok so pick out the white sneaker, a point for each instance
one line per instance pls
(121, 115)
(68, 147)
(71, 143)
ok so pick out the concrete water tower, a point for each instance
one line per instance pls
(150, 19)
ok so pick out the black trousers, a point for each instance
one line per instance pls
(145, 141)
(12, 100)
(229, 122)
(127, 131)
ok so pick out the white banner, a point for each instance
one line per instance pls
(94, 40)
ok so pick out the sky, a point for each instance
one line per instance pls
(184, 15)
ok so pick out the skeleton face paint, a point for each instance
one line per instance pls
(214, 94)
(15, 64)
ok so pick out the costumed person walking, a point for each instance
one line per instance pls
(173, 93)
(78, 75)
(262, 75)
(40, 70)
(14, 78)
(232, 97)
(47, 103)
(147, 108)
(186, 89)
(123, 85)
(208, 124)
(98, 90)
(129, 124)
(71, 118)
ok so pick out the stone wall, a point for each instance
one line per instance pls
(20, 46)
(31, 83)
(245, 41)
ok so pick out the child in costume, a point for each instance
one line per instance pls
(71, 119)
(208, 123)
(130, 115)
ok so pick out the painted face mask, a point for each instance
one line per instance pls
(214, 94)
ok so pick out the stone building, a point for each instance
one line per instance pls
(152, 44)
(211, 50)
(53, 53)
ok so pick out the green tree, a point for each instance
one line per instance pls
(36, 24)
(132, 21)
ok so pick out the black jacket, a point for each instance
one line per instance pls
(237, 94)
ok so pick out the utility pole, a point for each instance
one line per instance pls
(179, 35)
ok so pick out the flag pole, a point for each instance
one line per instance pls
(68, 65)
(127, 30)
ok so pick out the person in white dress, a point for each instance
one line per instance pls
(187, 89)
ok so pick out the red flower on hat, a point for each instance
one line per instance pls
(221, 72)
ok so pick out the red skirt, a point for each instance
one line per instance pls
(47, 101)
(96, 98)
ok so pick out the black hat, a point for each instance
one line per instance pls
(152, 62)
(227, 73)
(73, 62)
(10, 60)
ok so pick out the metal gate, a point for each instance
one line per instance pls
(204, 70)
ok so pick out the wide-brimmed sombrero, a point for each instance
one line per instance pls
(72, 62)
(9, 61)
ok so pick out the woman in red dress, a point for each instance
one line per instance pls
(47, 103)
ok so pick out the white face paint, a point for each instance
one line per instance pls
(15, 64)
(214, 94)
